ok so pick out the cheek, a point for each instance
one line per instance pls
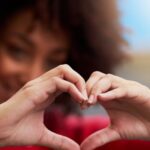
(8, 66)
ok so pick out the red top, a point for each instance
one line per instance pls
(78, 128)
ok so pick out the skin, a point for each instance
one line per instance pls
(24, 57)
(128, 106)
(27, 55)
(31, 101)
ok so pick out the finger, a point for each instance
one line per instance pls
(101, 86)
(70, 88)
(108, 82)
(67, 73)
(44, 93)
(94, 78)
(59, 142)
(111, 95)
(57, 85)
(72, 76)
(100, 138)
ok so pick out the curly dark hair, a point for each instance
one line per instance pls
(94, 28)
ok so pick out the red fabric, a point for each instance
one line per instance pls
(78, 128)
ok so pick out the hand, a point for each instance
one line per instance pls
(128, 105)
(21, 117)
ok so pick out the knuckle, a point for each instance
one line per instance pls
(29, 91)
(109, 76)
(60, 68)
(96, 73)
(54, 79)
(70, 88)
(66, 66)
(34, 94)
(63, 68)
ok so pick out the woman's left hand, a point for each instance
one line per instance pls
(128, 106)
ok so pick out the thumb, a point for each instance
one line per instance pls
(99, 138)
(56, 141)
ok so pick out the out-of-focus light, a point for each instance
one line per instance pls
(136, 16)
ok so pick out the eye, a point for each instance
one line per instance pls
(17, 52)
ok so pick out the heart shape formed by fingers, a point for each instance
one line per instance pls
(24, 125)
(31, 102)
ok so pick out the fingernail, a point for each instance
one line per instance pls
(91, 99)
(83, 97)
(85, 94)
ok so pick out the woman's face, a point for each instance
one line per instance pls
(26, 55)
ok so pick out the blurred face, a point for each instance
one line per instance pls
(26, 55)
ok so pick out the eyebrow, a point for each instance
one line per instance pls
(23, 38)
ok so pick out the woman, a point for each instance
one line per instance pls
(39, 35)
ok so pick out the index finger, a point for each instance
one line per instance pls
(67, 73)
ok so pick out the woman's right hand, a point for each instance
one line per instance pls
(21, 117)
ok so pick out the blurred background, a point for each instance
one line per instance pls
(135, 18)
